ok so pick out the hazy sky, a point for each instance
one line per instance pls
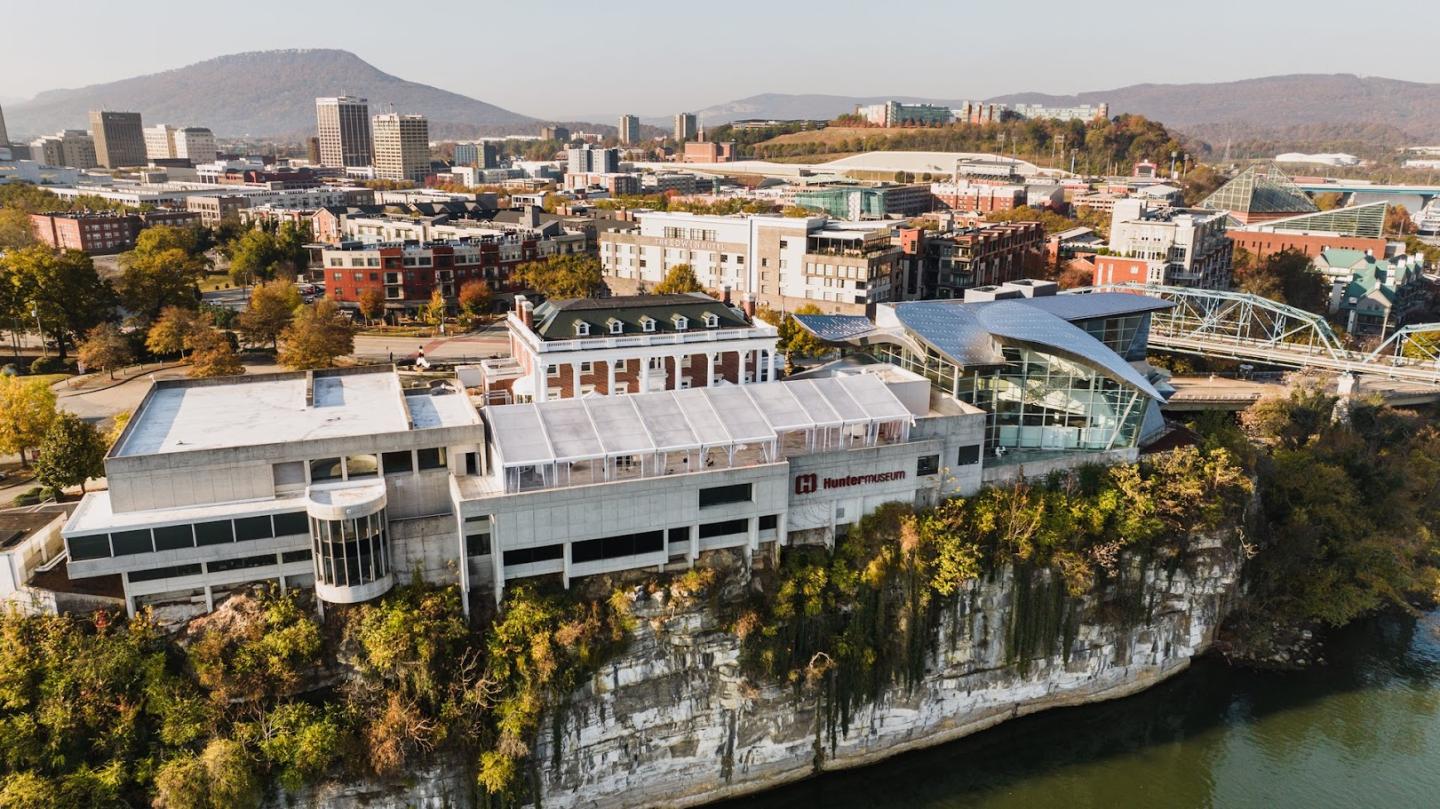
(563, 58)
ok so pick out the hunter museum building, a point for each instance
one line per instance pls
(347, 480)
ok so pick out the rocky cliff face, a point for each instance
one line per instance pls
(673, 722)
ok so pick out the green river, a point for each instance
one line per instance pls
(1363, 731)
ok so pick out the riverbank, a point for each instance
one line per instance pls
(1361, 731)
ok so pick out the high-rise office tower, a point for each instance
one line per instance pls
(312, 150)
(4, 136)
(196, 144)
(591, 159)
(343, 125)
(402, 147)
(71, 147)
(160, 141)
(119, 138)
(477, 153)
(629, 129)
(685, 126)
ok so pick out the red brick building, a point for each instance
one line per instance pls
(1261, 243)
(102, 232)
(631, 344)
(978, 197)
(407, 274)
(944, 265)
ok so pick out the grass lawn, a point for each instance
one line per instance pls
(49, 379)
(215, 281)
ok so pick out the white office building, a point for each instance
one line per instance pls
(402, 147)
(343, 125)
(782, 262)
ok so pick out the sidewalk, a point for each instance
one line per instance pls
(93, 383)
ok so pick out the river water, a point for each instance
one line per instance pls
(1363, 731)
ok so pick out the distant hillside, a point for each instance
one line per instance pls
(1274, 103)
(1247, 108)
(263, 93)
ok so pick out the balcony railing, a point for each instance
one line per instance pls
(699, 335)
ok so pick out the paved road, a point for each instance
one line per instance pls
(235, 298)
(99, 405)
(475, 346)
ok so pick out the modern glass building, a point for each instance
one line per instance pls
(1052, 373)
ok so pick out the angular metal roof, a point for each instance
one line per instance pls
(836, 328)
(971, 334)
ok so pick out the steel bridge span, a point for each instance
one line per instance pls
(1237, 325)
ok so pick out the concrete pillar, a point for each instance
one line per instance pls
(575, 379)
(610, 377)
(541, 382)
(209, 599)
(125, 589)
(565, 567)
(754, 524)
(709, 369)
(782, 529)
(694, 544)
(497, 560)
(464, 563)
(280, 563)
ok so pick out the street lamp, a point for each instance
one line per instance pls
(35, 310)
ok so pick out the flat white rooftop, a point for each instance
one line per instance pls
(266, 410)
(449, 409)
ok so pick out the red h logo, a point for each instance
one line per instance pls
(805, 484)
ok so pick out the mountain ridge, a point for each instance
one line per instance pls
(1266, 104)
(257, 93)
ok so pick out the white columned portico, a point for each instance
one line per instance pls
(575, 379)
(774, 365)
(610, 380)
(538, 374)
(645, 375)
(709, 369)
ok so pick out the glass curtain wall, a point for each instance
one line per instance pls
(351, 552)
(1037, 400)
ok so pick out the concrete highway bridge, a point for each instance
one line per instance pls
(1197, 393)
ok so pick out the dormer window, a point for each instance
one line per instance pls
(681, 322)
(582, 329)
(647, 324)
(712, 320)
(616, 326)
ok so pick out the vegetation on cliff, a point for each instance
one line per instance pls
(1348, 507)
(109, 713)
(862, 618)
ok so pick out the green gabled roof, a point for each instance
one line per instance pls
(556, 319)
(1259, 189)
(1343, 257)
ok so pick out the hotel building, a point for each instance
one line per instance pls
(782, 262)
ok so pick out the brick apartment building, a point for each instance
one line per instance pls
(705, 151)
(408, 273)
(101, 232)
(944, 265)
(978, 197)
